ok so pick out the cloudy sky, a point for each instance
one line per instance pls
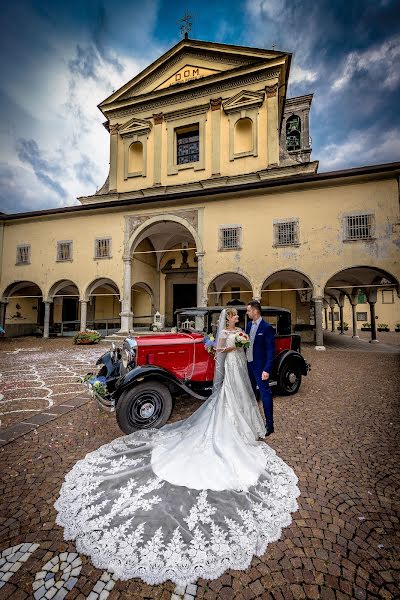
(60, 59)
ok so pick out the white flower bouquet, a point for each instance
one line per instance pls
(242, 340)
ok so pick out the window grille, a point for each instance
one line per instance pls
(359, 227)
(188, 146)
(64, 251)
(23, 255)
(286, 233)
(230, 238)
(362, 316)
(103, 248)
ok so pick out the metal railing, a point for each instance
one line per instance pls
(103, 326)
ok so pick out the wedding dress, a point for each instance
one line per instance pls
(189, 500)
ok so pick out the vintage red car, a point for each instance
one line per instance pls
(144, 376)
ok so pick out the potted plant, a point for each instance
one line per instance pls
(345, 326)
(397, 327)
(89, 336)
(366, 327)
(383, 327)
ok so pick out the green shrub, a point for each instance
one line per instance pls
(89, 336)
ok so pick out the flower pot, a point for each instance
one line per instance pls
(397, 329)
(365, 328)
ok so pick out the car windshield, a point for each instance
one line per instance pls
(192, 322)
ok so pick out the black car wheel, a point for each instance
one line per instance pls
(289, 379)
(145, 406)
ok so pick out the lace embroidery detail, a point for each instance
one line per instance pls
(192, 534)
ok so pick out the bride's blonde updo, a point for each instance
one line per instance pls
(230, 312)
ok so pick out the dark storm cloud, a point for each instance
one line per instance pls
(28, 152)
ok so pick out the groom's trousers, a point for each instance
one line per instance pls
(265, 393)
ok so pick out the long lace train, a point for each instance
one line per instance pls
(190, 500)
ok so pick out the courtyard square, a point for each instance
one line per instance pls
(339, 433)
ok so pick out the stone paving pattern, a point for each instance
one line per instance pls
(340, 434)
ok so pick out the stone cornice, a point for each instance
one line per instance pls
(130, 201)
(186, 112)
(211, 89)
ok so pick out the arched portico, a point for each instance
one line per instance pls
(229, 289)
(165, 253)
(61, 306)
(349, 282)
(21, 308)
(293, 289)
(100, 305)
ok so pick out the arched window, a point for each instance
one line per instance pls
(135, 158)
(293, 133)
(243, 135)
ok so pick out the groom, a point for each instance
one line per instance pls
(260, 356)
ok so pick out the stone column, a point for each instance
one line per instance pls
(83, 304)
(46, 328)
(112, 183)
(373, 321)
(215, 135)
(326, 306)
(158, 122)
(3, 310)
(372, 298)
(341, 306)
(272, 124)
(126, 313)
(201, 297)
(319, 333)
(354, 302)
(332, 304)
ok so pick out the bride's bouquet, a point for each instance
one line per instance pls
(210, 345)
(242, 340)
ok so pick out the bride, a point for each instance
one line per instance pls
(191, 499)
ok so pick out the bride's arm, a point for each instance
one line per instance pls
(222, 347)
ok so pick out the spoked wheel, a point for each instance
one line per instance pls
(145, 406)
(289, 379)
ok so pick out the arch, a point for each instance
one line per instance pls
(243, 135)
(103, 282)
(135, 157)
(58, 286)
(15, 286)
(219, 288)
(293, 132)
(290, 273)
(359, 277)
(135, 236)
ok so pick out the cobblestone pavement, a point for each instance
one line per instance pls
(339, 433)
(345, 342)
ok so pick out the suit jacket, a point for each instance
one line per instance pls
(263, 347)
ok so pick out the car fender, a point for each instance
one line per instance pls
(289, 355)
(141, 373)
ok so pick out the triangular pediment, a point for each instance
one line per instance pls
(192, 62)
(244, 99)
(135, 126)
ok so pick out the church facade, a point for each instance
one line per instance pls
(212, 198)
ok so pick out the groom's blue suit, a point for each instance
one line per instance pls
(263, 356)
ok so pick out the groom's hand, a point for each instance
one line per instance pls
(264, 375)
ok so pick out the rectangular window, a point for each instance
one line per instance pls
(387, 297)
(24, 254)
(362, 316)
(286, 233)
(359, 227)
(103, 248)
(64, 251)
(335, 316)
(230, 237)
(187, 144)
